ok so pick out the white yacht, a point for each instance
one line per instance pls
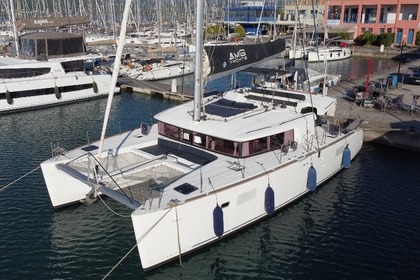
(320, 53)
(157, 69)
(210, 167)
(328, 53)
(52, 69)
(307, 80)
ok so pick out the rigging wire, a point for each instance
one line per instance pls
(306, 67)
(215, 193)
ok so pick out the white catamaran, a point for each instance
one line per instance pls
(210, 167)
(52, 68)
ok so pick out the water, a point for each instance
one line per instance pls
(363, 223)
(352, 68)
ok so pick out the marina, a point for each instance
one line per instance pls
(141, 107)
(202, 171)
(230, 179)
(369, 204)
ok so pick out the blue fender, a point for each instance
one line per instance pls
(218, 224)
(311, 183)
(346, 163)
(269, 200)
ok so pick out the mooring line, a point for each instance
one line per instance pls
(137, 242)
(21, 177)
(110, 209)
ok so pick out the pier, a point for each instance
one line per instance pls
(172, 92)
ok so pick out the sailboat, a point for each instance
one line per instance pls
(157, 69)
(160, 68)
(209, 167)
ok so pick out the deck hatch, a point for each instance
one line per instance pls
(185, 188)
(90, 148)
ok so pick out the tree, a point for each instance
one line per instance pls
(417, 38)
(215, 30)
(240, 31)
(342, 35)
(385, 39)
(368, 38)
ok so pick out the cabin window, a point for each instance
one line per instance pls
(276, 141)
(264, 144)
(223, 146)
(46, 91)
(186, 136)
(12, 73)
(169, 130)
(199, 140)
(259, 145)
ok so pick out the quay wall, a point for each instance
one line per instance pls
(396, 127)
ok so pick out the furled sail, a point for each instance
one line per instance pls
(227, 59)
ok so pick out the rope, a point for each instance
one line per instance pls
(109, 208)
(21, 177)
(179, 240)
(137, 242)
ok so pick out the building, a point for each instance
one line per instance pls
(255, 16)
(377, 16)
(355, 17)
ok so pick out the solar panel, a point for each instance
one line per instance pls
(227, 108)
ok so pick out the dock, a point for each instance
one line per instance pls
(395, 126)
(171, 92)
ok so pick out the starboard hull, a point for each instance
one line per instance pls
(166, 234)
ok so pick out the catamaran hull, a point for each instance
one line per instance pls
(166, 234)
(63, 187)
(102, 83)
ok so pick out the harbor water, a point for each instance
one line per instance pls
(363, 223)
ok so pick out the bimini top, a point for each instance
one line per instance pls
(49, 22)
(45, 45)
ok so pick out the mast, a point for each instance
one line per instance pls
(257, 33)
(295, 32)
(158, 15)
(115, 71)
(198, 60)
(12, 8)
